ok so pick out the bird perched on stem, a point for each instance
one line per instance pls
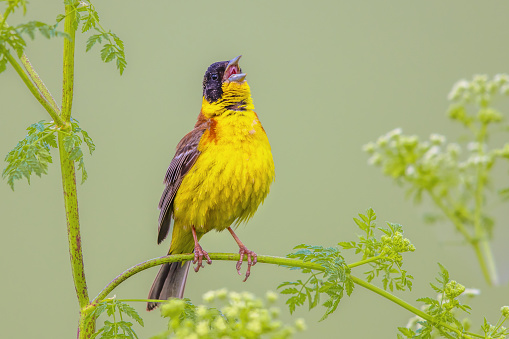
(221, 172)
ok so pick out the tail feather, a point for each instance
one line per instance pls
(169, 283)
(171, 279)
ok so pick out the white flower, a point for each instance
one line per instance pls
(414, 321)
(375, 159)
(369, 147)
(472, 292)
(271, 296)
(437, 139)
(501, 78)
(454, 148)
(478, 159)
(382, 141)
(394, 132)
(473, 146)
(457, 89)
(504, 89)
(431, 153)
(410, 170)
(300, 324)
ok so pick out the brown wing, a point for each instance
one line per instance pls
(185, 157)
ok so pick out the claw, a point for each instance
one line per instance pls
(199, 253)
(251, 261)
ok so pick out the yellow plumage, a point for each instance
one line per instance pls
(233, 173)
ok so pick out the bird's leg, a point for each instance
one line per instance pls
(251, 256)
(199, 253)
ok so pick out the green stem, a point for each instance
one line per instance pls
(482, 243)
(39, 83)
(410, 308)
(86, 328)
(362, 262)
(68, 77)
(4, 17)
(73, 226)
(461, 228)
(33, 89)
(186, 257)
(457, 223)
(289, 262)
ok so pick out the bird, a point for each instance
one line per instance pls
(221, 172)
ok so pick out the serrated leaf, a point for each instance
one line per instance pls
(290, 290)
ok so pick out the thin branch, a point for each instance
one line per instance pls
(39, 83)
(33, 89)
(289, 262)
(187, 257)
(410, 308)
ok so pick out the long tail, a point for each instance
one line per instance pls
(171, 279)
(169, 283)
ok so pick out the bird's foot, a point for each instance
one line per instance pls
(251, 260)
(199, 253)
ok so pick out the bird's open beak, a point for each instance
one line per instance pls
(232, 71)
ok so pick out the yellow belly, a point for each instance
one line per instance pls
(231, 177)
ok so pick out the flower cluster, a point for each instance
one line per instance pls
(393, 245)
(239, 315)
(480, 90)
(423, 163)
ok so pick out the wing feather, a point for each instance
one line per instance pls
(185, 157)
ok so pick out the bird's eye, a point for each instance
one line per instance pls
(214, 76)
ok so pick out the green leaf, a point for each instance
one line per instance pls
(31, 155)
(92, 40)
(46, 30)
(3, 63)
(408, 333)
(130, 311)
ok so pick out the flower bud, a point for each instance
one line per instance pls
(505, 311)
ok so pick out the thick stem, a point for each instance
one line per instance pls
(85, 330)
(68, 77)
(73, 223)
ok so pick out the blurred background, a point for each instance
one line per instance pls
(326, 77)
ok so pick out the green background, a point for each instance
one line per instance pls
(326, 78)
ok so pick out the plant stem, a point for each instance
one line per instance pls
(409, 307)
(457, 223)
(186, 257)
(362, 262)
(289, 262)
(33, 89)
(85, 329)
(481, 238)
(39, 83)
(68, 78)
(485, 261)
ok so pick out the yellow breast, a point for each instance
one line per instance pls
(231, 177)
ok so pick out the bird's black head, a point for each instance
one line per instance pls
(216, 75)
